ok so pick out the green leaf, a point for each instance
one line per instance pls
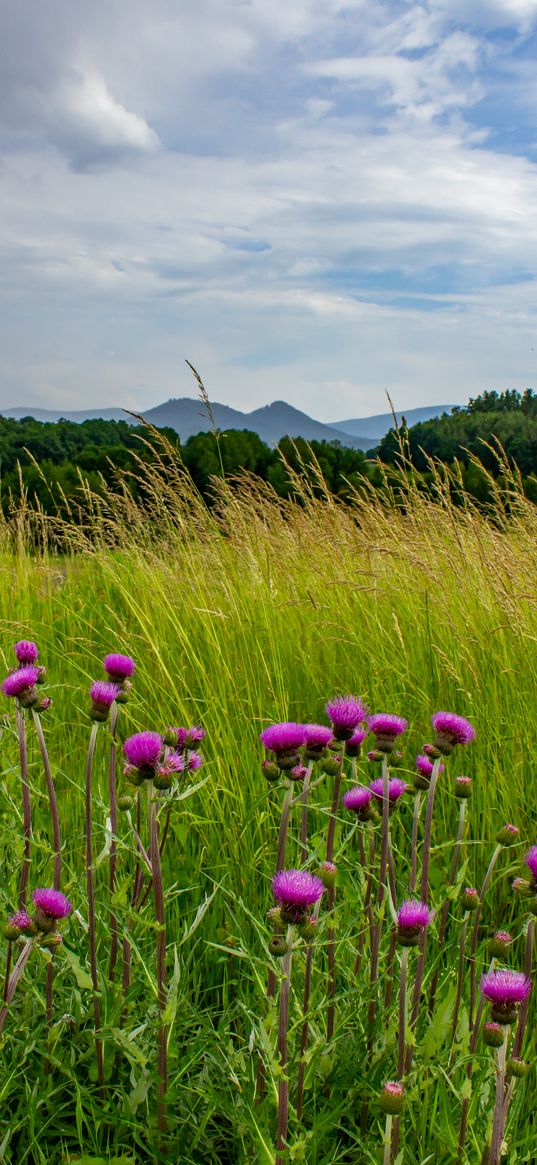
(171, 1002)
(81, 976)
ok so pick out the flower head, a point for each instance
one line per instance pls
(346, 713)
(450, 730)
(26, 651)
(463, 787)
(21, 681)
(385, 724)
(52, 903)
(396, 788)
(505, 989)
(531, 861)
(412, 919)
(353, 745)
(195, 761)
(508, 834)
(118, 667)
(284, 740)
(143, 750)
(102, 695)
(358, 800)
(499, 943)
(295, 891)
(392, 1098)
(316, 739)
(425, 767)
(470, 898)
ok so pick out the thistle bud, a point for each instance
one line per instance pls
(308, 928)
(278, 946)
(331, 765)
(125, 690)
(421, 782)
(374, 755)
(493, 1034)
(43, 704)
(521, 888)
(270, 770)
(431, 751)
(125, 802)
(499, 944)
(469, 898)
(517, 1067)
(162, 779)
(392, 1098)
(327, 872)
(274, 915)
(11, 932)
(508, 834)
(463, 787)
(298, 773)
(42, 677)
(54, 939)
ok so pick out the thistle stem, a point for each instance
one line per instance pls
(53, 804)
(112, 791)
(283, 1082)
(304, 1034)
(475, 930)
(160, 917)
(497, 1120)
(402, 1013)
(14, 980)
(26, 807)
(424, 895)
(460, 980)
(304, 816)
(280, 862)
(414, 844)
(331, 945)
(523, 1011)
(445, 908)
(91, 904)
(388, 1140)
(381, 891)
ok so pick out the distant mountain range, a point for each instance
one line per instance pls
(272, 422)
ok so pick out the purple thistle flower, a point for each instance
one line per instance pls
(195, 735)
(21, 920)
(425, 767)
(346, 713)
(505, 989)
(143, 750)
(316, 739)
(195, 761)
(26, 651)
(21, 681)
(297, 773)
(450, 730)
(385, 724)
(353, 746)
(412, 919)
(285, 737)
(52, 903)
(396, 788)
(358, 800)
(294, 891)
(531, 861)
(119, 667)
(102, 695)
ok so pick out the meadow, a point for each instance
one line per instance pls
(252, 611)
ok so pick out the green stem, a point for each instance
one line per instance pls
(90, 884)
(283, 1081)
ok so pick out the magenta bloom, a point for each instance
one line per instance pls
(414, 914)
(102, 696)
(52, 903)
(21, 920)
(295, 891)
(119, 667)
(346, 713)
(316, 738)
(505, 989)
(451, 730)
(20, 681)
(384, 724)
(396, 788)
(424, 766)
(143, 749)
(358, 800)
(531, 861)
(195, 761)
(26, 651)
(286, 737)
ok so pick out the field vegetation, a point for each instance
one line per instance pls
(252, 610)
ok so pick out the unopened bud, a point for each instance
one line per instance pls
(431, 751)
(392, 1098)
(278, 946)
(331, 765)
(421, 782)
(463, 787)
(162, 779)
(308, 928)
(521, 888)
(54, 939)
(125, 802)
(298, 773)
(270, 771)
(327, 872)
(42, 677)
(499, 943)
(374, 755)
(517, 1067)
(124, 692)
(469, 898)
(508, 834)
(274, 915)
(493, 1034)
(43, 704)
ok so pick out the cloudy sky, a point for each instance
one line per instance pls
(311, 200)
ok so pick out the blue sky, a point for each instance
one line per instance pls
(312, 200)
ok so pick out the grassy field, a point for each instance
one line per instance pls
(255, 611)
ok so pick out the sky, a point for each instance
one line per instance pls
(310, 200)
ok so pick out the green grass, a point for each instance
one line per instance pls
(259, 610)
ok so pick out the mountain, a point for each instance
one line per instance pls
(188, 416)
(76, 415)
(374, 428)
(282, 420)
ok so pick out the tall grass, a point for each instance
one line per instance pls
(253, 610)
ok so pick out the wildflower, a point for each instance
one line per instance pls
(522, 888)
(26, 651)
(450, 730)
(463, 787)
(317, 738)
(125, 802)
(284, 740)
(359, 800)
(331, 765)
(424, 770)
(517, 1067)
(270, 771)
(386, 728)
(143, 752)
(19, 923)
(102, 695)
(353, 746)
(499, 943)
(470, 898)
(195, 761)
(493, 1034)
(278, 946)
(22, 685)
(165, 772)
(412, 919)
(392, 1098)
(508, 834)
(118, 667)
(505, 990)
(297, 773)
(295, 891)
(346, 713)
(51, 906)
(531, 862)
(327, 872)
(396, 788)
